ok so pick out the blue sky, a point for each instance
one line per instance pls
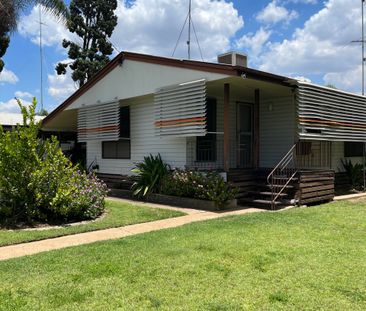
(308, 39)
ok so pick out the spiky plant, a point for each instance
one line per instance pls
(150, 173)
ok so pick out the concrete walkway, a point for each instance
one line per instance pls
(30, 248)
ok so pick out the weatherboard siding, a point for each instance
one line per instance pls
(277, 129)
(143, 142)
(135, 78)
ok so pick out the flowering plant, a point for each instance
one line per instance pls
(192, 184)
(38, 183)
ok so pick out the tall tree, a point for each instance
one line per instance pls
(10, 11)
(93, 21)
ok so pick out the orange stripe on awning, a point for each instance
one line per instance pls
(99, 129)
(333, 123)
(180, 122)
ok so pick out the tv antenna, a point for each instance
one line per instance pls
(190, 27)
(41, 53)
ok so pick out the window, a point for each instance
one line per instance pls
(353, 149)
(206, 145)
(120, 149)
(303, 148)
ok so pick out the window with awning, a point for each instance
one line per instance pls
(180, 110)
(330, 114)
(99, 122)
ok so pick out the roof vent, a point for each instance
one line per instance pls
(233, 58)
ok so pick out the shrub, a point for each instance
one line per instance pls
(193, 184)
(38, 183)
(150, 172)
(354, 172)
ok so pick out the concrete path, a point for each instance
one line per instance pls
(30, 248)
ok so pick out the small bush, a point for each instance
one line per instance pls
(354, 172)
(38, 183)
(150, 173)
(192, 184)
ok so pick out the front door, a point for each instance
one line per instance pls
(244, 137)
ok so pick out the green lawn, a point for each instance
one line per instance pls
(300, 259)
(118, 214)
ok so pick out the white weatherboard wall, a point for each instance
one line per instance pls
(277, 129)
(143, 142)
(134, 79)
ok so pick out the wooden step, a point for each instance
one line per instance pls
(285, 178)
(266, 193)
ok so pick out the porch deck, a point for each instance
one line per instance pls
(309, 186)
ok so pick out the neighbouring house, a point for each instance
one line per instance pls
(9, 120)
(275, 137)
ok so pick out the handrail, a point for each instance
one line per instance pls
(280, 177)
(280, 162)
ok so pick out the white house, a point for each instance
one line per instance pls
(222, 116)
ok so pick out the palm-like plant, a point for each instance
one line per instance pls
(150, 173)
(10, 11)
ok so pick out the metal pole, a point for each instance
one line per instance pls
(189, 28)
(41, 53)
(363, 87)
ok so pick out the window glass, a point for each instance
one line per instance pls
(124, 122)
(123, 149)
(120, 149)
(353, 149)
(206, 145)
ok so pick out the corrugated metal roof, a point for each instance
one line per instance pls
(9, 119)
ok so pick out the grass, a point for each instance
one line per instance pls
(300, 259)
(118, 214)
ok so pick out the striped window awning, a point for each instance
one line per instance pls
(330, 114)
(180, 110)
(99, 122)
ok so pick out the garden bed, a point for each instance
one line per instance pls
(174, 200)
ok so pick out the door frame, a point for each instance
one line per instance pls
(252, 160)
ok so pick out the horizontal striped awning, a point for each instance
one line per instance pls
(180, 110)
(330, 114)
(99, 122)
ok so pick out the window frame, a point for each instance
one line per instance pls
(121, 139)
(210, 137)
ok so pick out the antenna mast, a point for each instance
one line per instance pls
(189, 28)
(41, 53)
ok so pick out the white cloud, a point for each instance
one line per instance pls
(302, 79)
(274, 12)
(20, 94)
(349, 80)
(7, 76)
(11, 106)
(153, 27)
(254, 43)
(53, 30)
(61, 86)
(322, 47)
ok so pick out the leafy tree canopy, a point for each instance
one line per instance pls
(93, 21)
